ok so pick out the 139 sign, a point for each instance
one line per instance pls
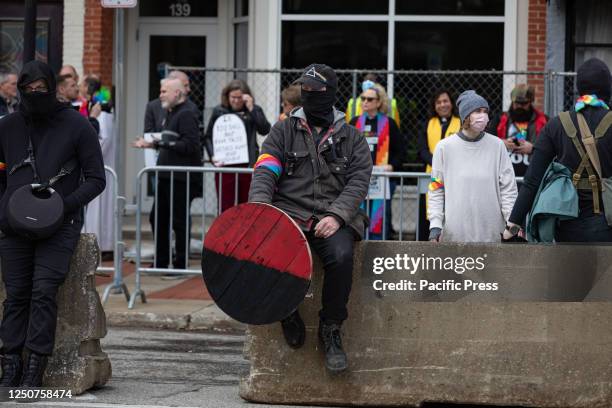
(180, 9)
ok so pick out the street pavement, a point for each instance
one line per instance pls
(158, 369)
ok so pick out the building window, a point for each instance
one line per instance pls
(593, 31)
(334, 7)
(452, 7)
(11, 43)
(435, 46)
(346, 44)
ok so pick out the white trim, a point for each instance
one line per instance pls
(73, 36)
(386, 17)
(510, 47)
(391, 48)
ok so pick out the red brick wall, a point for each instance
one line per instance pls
(536, 46)
(98, 46)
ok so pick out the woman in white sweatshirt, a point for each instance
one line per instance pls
(473, 187)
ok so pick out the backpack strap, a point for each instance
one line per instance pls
(592, 183)
(604, 125)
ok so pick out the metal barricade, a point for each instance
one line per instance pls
(118, 285)
(407, 226)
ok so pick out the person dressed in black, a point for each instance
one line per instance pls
(594, 85)
(33, 270)
(317, 169)
(180, 146)
(236, 98)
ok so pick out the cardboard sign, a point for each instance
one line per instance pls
(379, 186)
(150, 155)
(256, 263)
(230, 140)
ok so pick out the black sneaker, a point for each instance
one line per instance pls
(294, 330)
(34, 370)
(12, 368)
(331, 341)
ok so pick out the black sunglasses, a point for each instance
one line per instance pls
(368, 98)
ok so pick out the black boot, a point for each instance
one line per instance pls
(11, 370)
(34, 370)
(294, 330)
(331, 341)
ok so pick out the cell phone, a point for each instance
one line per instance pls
(516, 142)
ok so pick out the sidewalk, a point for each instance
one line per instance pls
(178, 304)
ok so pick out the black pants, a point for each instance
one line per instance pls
(591, 228)
(32, 272)
(180, 223)
(336, 253)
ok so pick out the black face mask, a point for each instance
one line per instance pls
(520, 115)
(39, 104)
(319, 106)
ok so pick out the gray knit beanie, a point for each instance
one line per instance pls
(468, 102)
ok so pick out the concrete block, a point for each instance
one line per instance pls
(470, 349)
(78, 362)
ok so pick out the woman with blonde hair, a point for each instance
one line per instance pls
(385, 141)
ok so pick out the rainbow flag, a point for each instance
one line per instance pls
(267, 161)
(436, 184)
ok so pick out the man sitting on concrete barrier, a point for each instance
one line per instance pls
(317, 168)
(38, 140)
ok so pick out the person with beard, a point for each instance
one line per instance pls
(317, 169)
(519, 127)
(180, 146)
(473, 187)
(33, 270)
(594, 84)
(155, 114)
(236, 98)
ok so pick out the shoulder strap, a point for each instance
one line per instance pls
(568, 125)
(603, 126)
(589, 143)
(66, 169)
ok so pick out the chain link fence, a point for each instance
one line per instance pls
(411, 89)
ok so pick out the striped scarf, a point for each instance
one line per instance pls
(382, 157)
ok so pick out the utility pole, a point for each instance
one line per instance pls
(29, 31)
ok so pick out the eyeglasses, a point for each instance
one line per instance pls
(522, 103)
(368, 99)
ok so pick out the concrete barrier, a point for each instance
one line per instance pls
(471, 349)
(78, 362)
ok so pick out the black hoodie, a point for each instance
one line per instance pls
(58, 134)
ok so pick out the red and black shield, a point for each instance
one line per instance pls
(256, 263)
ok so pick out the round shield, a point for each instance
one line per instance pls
(256, 263)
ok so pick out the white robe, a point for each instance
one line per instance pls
(99, 216)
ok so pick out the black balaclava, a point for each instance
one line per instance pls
(37, 105)
(319, 106)
(593, 77)
(520, 114)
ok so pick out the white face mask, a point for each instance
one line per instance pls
(479, 121)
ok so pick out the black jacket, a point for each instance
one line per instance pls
(184, 148)
(64, 136)
(331, 178)
(4, 107)
(553, 142)
(155, 115)
(254, 122)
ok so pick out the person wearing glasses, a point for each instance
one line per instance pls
(54, 135)
(386, 147)
(519, 127)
